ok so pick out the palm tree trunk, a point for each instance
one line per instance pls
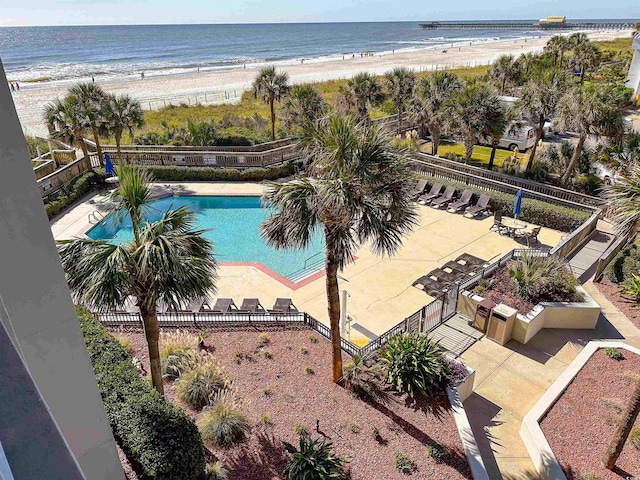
(83, 146)
(504, 80)
(623, 431)
(582, 75)
(535, 145)
(118, 150)
(333, 300)
(468, 152)
(574, 159)
(494, 147)
(96, 137)
(152, 334)
(399, 119)
(273, 119)
(435, 140)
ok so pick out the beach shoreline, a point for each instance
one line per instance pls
(224, 85)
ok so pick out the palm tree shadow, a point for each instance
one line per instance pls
(266, 460)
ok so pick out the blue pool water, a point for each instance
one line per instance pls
(233, 227)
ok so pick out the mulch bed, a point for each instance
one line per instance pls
(297, 396)
(580, 425)
(627, 306)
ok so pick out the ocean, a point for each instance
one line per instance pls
(75, 52)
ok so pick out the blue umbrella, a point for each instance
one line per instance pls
(108, 166)
(517, 205)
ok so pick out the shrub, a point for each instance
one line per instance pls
(375, 431)
(267, 354)
(613, 353)
(541, 278)
(414, 363)
(304, 351)
(213, 174)
(224, 425)
(313, 460)
(266, 391)
(308, 370)
(360, 376)
(404, 463)
(217, 471)
(266, 419)
(635, 438)
(158, 437)
(197, 386)
(175, 361)
(625, 264)
(313, 338)
(301, 429)
(67, 195)
(127, 345)
(631, 287)
(436, 451)
(354, 428)
(263, 338)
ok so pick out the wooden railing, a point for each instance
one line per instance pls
(260, 147)
(56, 180)
(577, 237)
(610, 253)
(46, 168)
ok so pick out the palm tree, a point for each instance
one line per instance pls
(586, 110)
(304, 104)
(539, 100)
(576, 39)
(498, 118)
(429, 103)
(91, 99)
(557, 46)
(361, 92)
(586, 55)
(271, 87)
(68, 121)
(358, 192)
(468, 114)
(166, 260)
(400, 84)
(623, 197)
(526, 61)
(199, 133)
(122, 113)
(504, 71)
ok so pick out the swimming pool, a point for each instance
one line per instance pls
(233, 227)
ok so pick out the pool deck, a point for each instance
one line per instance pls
(380, 291)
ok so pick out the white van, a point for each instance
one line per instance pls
(522, 137)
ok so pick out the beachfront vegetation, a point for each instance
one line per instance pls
(271, 86)
(400, 84)
(360, 93)
(91, 99)
(70, 193)
(155, 435)
(166, 260)
(357, 191)
(36, 146)
(121, 113)
(303, 105)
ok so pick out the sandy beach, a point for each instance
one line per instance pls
(224, 86)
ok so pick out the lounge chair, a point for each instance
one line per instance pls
(444, 277)
(194, 306)
(463, 268)
(498, 226)
(433, 193)
(432, 287)
(532, 236)
(224, 305)
(251, 305)
(471, 260)
(445, 198)
(130, 305)
(481, 206)
(463, 202)
(162, 306)
(284, 305)
(418, 189)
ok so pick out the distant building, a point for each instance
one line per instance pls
(633, 79)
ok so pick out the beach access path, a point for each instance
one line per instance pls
(223, 86)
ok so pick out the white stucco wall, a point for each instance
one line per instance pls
(633, 79)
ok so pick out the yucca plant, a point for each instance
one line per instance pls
(197, 386)
(414, 363)
(224, 425)
(534, 276)
(631, 288)
(360, 375)
(314, 460)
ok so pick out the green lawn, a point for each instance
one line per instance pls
(480, 157)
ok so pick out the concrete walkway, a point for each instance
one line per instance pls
(511, 379)
(584, 261)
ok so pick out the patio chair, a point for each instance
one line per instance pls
(224, 305)
(194, 306)
(418, 189)
(471, 260)
(162, 306)
(251, 305)
(284, 305)
(433, 193)
(532, 236)
(445, 198)
(481, 206)
(130, 305)
(444, 277)
(463, 268)
(463, 202)
(498, 226)
(430, 286)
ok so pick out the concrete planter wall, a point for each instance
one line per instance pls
(577, 315)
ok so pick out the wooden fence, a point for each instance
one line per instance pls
(56, 180)
(573, 241)
(47, 168)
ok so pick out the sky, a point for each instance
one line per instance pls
(121, 12)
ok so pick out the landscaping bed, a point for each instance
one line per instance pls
(582, 422)
(626, 305)
(281, 381)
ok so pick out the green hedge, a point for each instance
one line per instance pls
(538, 212)
(211, 174)
(68, 194)
(625, 264)
(158, 437)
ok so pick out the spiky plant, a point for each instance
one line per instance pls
(623, 199)
(313, 460)
(304, 104)
(122, 114)
(631, 288)
(91, 99)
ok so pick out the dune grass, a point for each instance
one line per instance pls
(617, 45)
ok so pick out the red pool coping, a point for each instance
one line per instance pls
(276, 276)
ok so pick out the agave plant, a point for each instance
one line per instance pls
(414, 363)
(314, 460)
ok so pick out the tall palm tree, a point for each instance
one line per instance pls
(467, 114)
(68, 121)
(91, 99)
(429, 103)
(527, 61)
(623, 197)
(122, 113)
(557, 46)
(576, 39)
(539, 100)
(585, 110)
(498, 118)
(361, 92)
(400, 83)
(271, 87)
(587, 56)
(504, 71)
(304, 104)
(167, 260)
(358, 192)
